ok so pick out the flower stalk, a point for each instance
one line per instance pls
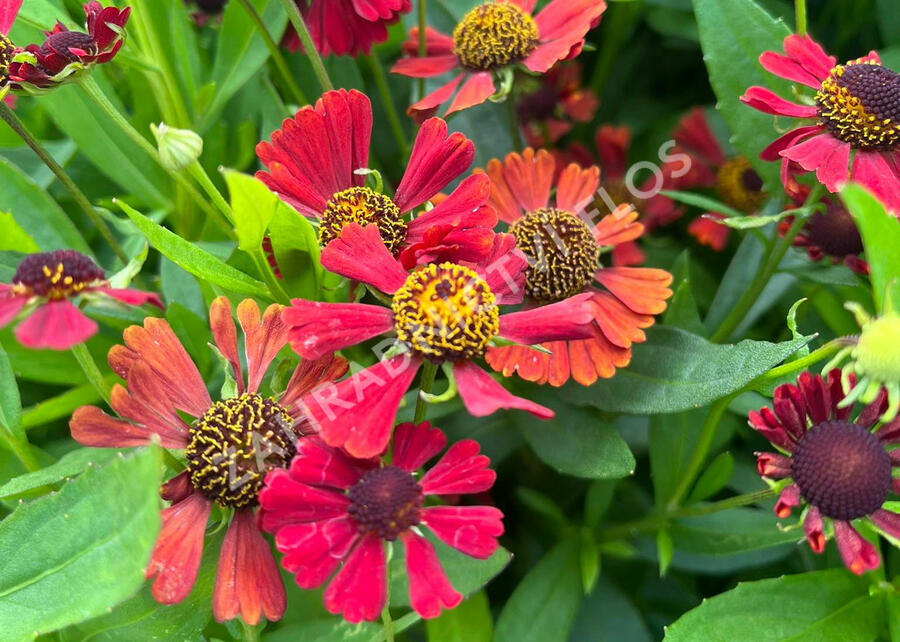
(308, 45)
(91, 371)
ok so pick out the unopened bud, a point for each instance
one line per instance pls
(178, 148)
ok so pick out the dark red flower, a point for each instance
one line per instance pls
(230, 445)
(346, 27)
(44, 286)
(548, 113)
(491, 38)
(312, 165)
(830, 234)
(330, 510)
(857, 108)
(834, 463)
(64, 53)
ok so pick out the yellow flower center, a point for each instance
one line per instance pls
(446, 312)
(561, 250)
(493, 35)
(6, 54)
(739, 186)
(859, 103)
(364, 206)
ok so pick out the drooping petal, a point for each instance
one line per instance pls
(576, 187)
(131, 297)
(414, 444)
(460, 209)
(477, 88)
(179, 547)
(872, 170)
(571, 318)
(10, 306)
(55, 325)
(643, 290)
(247, 579)
(426, 107)
(429, 589)
(767, 101)
(309, 375)
(225, 335)
(463, 470)
(857, 553)
(91, 426)
(317, 329)
(263, 338)
(887, 521)
(773, 465)
(427, 67)
(313, 551)
(359, 590)
(590, 359)
(827, 156)
(504, 270)
(808, 53)
(529, 176)
(320, 465)
(360, 254)
(814, 527)
(471, 529)
(483, 396)
(787, 501)
(284, 501)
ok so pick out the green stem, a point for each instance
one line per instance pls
(263, 267)
(819, 354)
(199, 174)
(92, 89)
(91, 371)
(249, 633)
(21, 448)
(617, 29)
(275, 52)
(800, 13)
(656, 521)
(701, 450)
(77, 195)
(308, 45)
(429, 370)
(423, 40)
(770, 264)
(515, 132)
(387, 100)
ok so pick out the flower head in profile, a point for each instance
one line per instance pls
(832, 463)
(42, 291)
(490, 40)
(346, 27)
(334, 516)
(312, 164)
(564, 248)
(65, 53)
(852, 126)
(9, 9)
(445, 313)
(830, 234)
(550, 111)
(230, 445)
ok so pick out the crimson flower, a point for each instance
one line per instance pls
(446, 313)
(64, 53)
(564, 247)
(330, 509)
(836, 467)
(44, 285)
(493, 37)
(831, 234)
(229, 445)
(312, 163)
(856, 109)
(549, 112)
(345, 27)
(9, 9)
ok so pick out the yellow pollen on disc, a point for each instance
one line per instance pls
(494, 34)
(363, 206)
(739, 186)
(446, 312)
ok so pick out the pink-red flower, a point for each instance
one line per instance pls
(345, 27)
(230, 446)
(330, 510)
(445, 313)
(549, 112)
(564, 244)
(492, 38)
(852, 129)
(9, 9)
(312, 163)
(42, 291)
(64, 53)
(834, 464)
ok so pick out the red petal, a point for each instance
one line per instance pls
(504, 270)
(10, 305)
(575, 188)
(644, 290)
(284, 501)
(317, 329)
(263, 338)
(359, 253)
(359, 590)
(789, 498)
(320, 465)
(482, 395)
(310, 374)
(414, 444)
(429, 589)
(471, 529)
(858, 554)
(90, 426)
(425, 67)
(55, 325)
(827, 156)
(773, 466)
(9, 9)
(813, 526)
(477, 89)
(426, 107)
(888, 522)
(571, 318)
(225, 335)
(529, 176)
(463, 470)
(873, 171)
(462, 209)
(132, 297)
(179, 547)
(767, 101)
(313, 551)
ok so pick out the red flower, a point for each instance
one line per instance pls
(492, 37)
(563, 246)
(346, 27)
(836, 465)
(312, 163)
(446, 313)
(329, 510)
(856, 109)
(65, 52)
(44, 285)
(832, 234)
(9, 9)
(230, 445)
(548, 113)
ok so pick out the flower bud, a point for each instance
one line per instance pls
(178, 148)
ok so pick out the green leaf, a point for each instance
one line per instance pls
(824, 605)
(675, 370)
(543, 606)
(577, 441)
(732, 532)
(713, 478)
(589, 559)
(327, 630)
(70, 465)
(702, 202)
(87, 547)
(751, 222)
(296, 248)
(253, 205)
(607, 615)
(13, 237)
(10, 401)
(664, 550)
(733, 34)
(881, 237)
(468, 622)
(37, 214)
(192, 259)
(682, 310)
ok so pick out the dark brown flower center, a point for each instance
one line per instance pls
(739, 186)
(385, 502)
(859, 103)
(493, 35)
(834, 231)
(363, 206)
(56, 275)
(561, 250)
(60, 43)
(235, 444)
(842, 469)
(211, 6)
